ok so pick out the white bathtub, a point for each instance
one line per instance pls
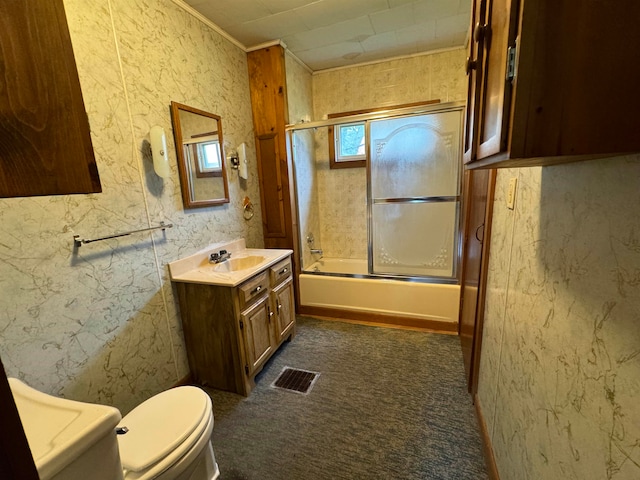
(434, 304)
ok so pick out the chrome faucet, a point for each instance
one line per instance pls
(219, 257)
(310, 240)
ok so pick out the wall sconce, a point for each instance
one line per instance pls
(233, 159)
(238, 160)
(159, 151)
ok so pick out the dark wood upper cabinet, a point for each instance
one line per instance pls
(45, 143)
(552, 82)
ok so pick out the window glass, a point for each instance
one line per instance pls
(350, 142)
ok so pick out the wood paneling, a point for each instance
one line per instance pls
(267, 83)
(45, 143)
(479, 194)
(572, 97)
(271, 195)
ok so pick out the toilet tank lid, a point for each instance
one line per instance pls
(161, 424)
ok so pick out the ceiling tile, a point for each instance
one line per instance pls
(351, 30)
(273, 27)
(277, 6)
(326, 12)
(331, 33)
(331, 56)
(454, 24)
(393, 19)
(233, 11)
(430, 9)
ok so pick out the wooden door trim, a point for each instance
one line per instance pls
(482, 285)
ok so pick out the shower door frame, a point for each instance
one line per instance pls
(457, 248)
(366, 117)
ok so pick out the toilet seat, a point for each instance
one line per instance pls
(151, 446)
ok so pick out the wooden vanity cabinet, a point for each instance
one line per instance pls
(230, 332)
(551, 82)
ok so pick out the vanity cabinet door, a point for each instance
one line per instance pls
(255, 324)
(284, 307)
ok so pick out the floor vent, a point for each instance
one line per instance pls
(294, 380)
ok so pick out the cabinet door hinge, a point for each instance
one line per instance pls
(241, 325)
(511, 62)
(246, 369)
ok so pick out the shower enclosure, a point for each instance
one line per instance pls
(394, 219)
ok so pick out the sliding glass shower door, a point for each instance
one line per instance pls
(414, 194)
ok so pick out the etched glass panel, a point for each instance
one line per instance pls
(417, 156)
(415, 238)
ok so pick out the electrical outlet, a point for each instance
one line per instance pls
(511, 194)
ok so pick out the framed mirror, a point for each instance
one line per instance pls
(199, 147)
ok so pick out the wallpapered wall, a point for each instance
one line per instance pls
(342, 193)
(101, 324)
(300, 104)
(560, 370)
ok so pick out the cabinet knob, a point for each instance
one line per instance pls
(470, 65)
(478, 32)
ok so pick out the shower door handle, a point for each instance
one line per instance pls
(477, 231)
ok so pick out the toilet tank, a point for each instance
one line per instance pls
(69, 440)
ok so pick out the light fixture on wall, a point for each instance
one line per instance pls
(238, 160)
(158, 142)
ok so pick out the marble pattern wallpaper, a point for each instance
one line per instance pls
(560, 370)
(100, 323)
(300, 106)
(342, 193)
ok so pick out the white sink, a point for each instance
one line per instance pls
(65, 434)
(239, 263)
(243, 264)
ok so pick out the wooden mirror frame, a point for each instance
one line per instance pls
(183, 167)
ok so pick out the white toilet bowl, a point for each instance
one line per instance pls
(168, 437)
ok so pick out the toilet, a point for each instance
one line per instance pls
(167, 437)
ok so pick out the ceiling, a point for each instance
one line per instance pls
(333, 33)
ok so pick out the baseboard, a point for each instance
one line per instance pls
(380, 320)
(492, 468)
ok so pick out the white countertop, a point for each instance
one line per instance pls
(197, 269)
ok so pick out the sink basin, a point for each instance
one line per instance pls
(239, 263)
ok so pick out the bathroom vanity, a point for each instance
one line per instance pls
(236, 313)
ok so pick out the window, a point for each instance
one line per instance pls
(347, 147)
(350, 142)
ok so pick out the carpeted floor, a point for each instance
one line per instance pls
(388, 404)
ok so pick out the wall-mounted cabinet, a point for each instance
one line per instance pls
(552, 82)
(45, 144)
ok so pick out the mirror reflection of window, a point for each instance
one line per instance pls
(209, 157)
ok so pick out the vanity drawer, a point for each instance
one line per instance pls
(253, 289)
(280, 271)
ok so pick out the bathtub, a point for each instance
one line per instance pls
(342, 288)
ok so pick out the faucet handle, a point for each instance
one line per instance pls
(223, 252)
(214, 257)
